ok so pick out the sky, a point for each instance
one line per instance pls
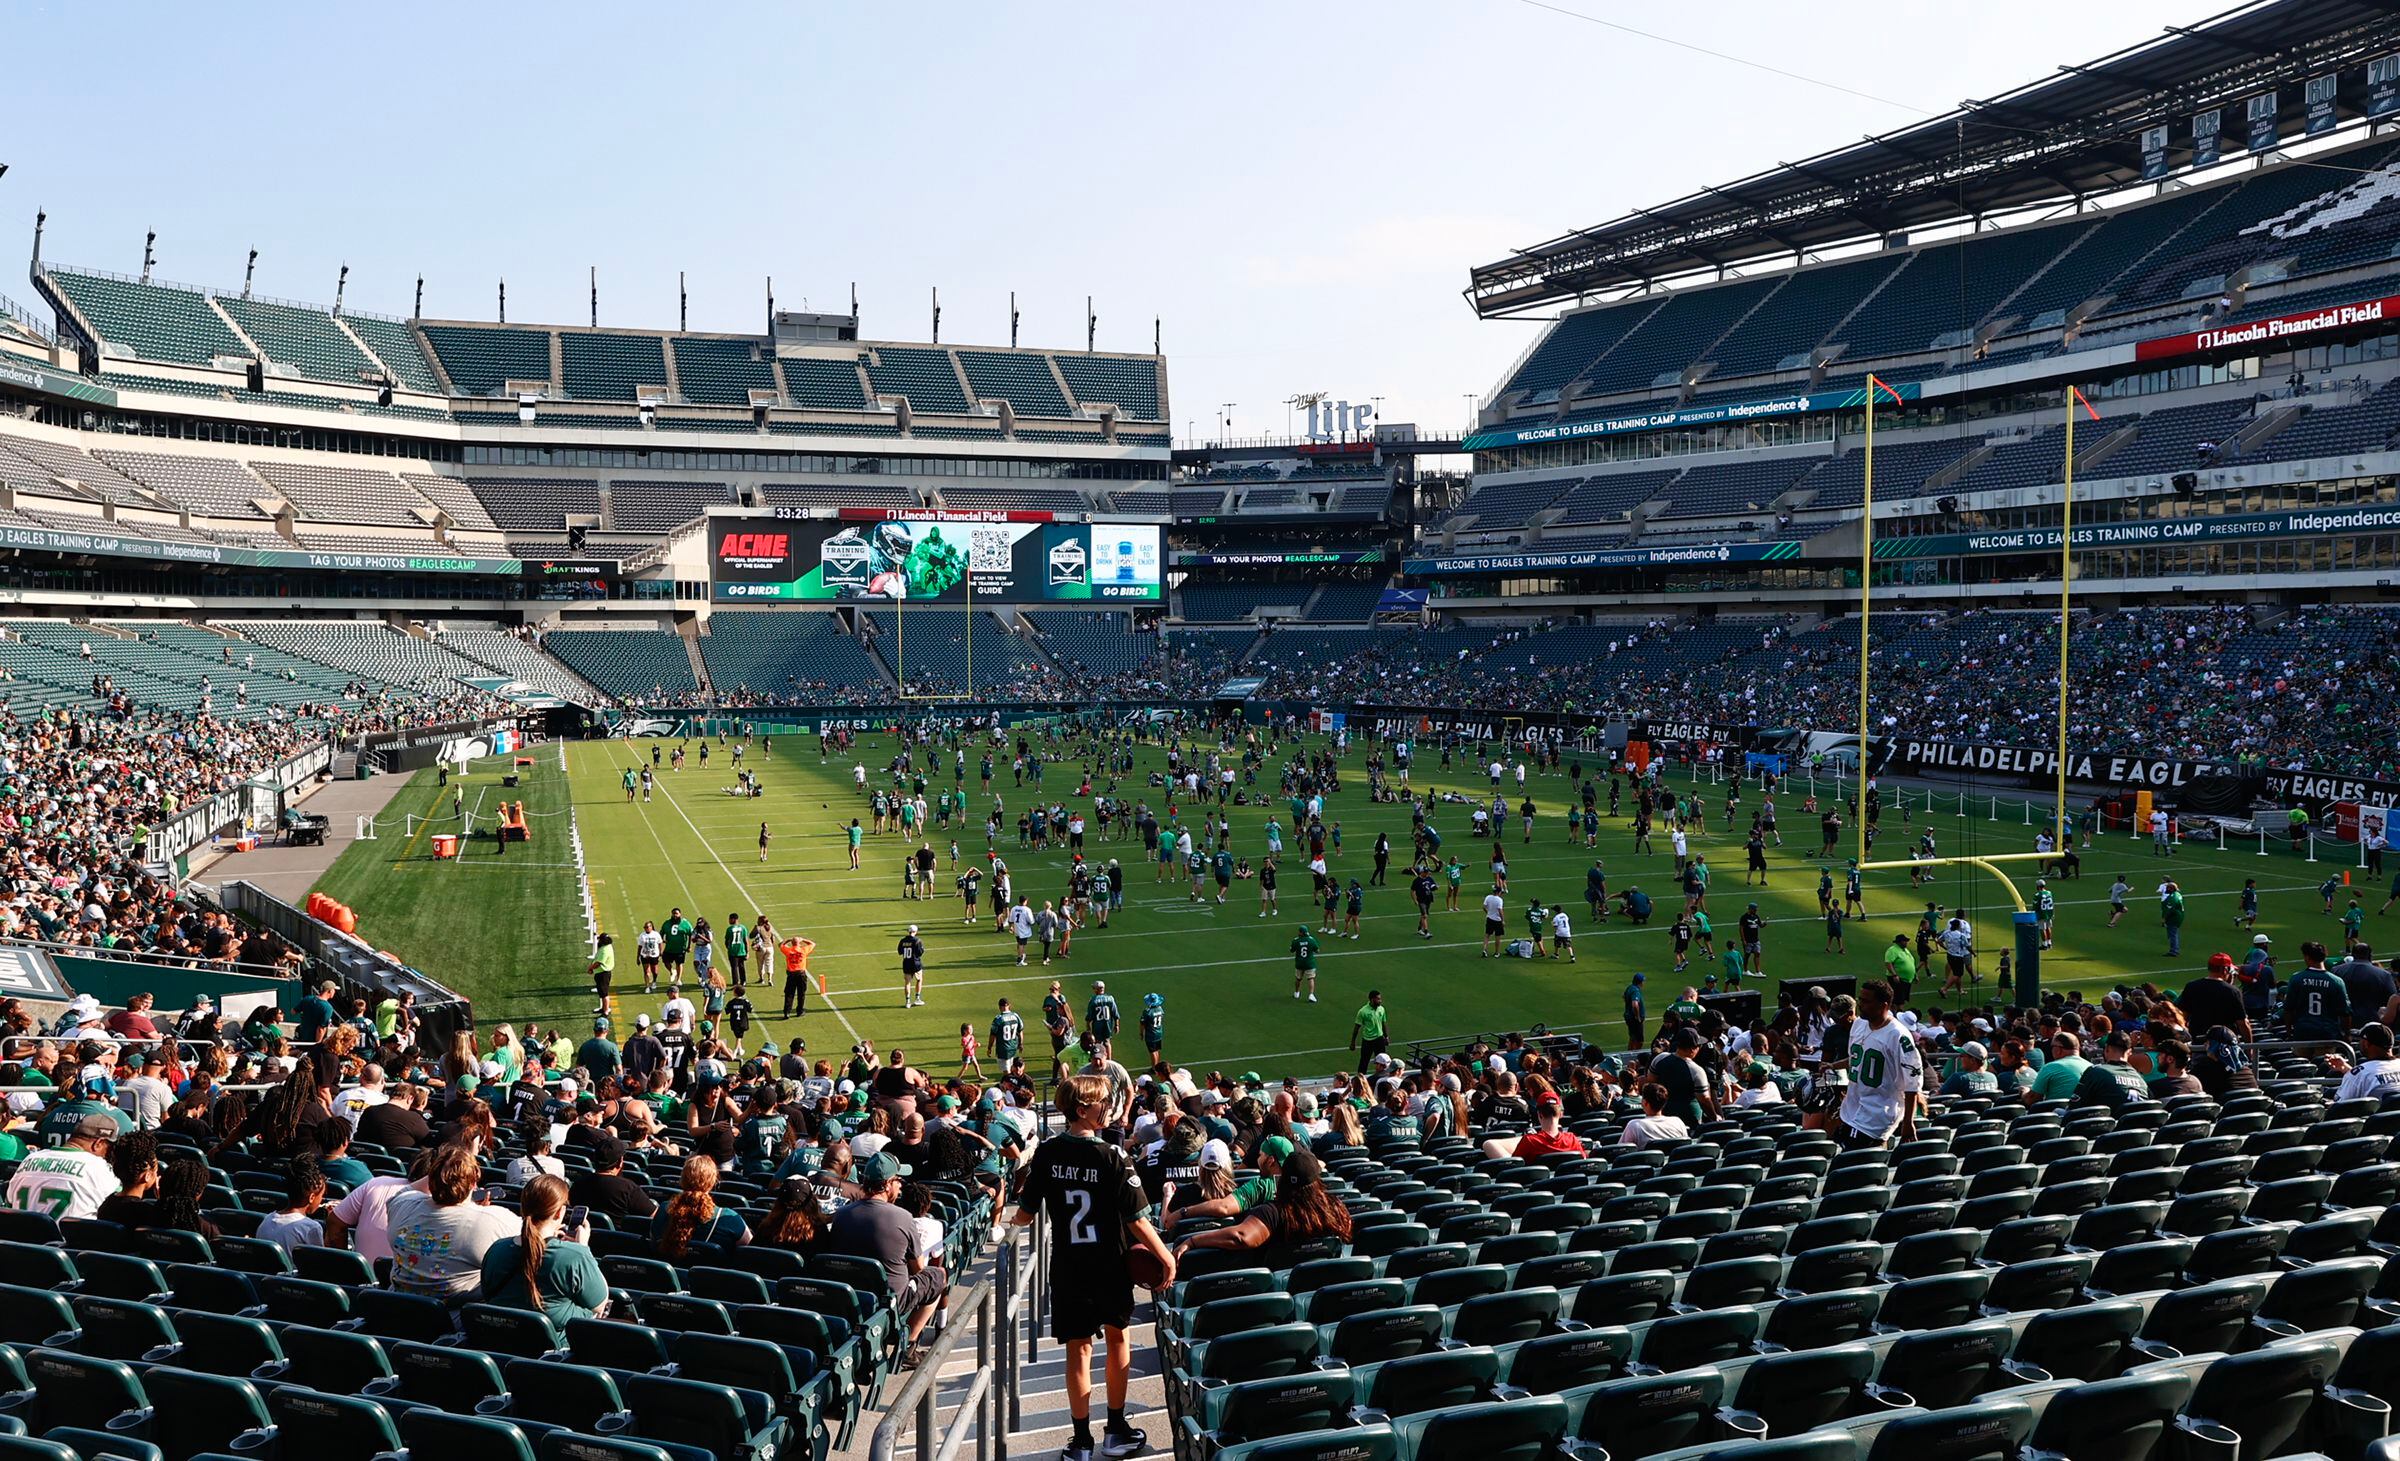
(1294, 192)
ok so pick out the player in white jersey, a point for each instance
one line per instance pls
(1562, 936)
(1887, 1075)
(69, 1181)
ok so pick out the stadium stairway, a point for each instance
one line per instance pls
(689, 632)
(1043, 1423)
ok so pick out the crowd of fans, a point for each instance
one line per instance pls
(2207, 684)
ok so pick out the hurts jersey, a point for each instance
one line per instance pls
(1090, 1193)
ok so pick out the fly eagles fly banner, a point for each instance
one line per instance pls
(934, 557)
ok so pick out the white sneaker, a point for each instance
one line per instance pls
(1295, 994)
(1312, 999)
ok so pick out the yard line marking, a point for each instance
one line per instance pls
(747, 896)
(633, 915)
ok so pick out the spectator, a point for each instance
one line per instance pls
(2377, 1075)
(537, 1159)
(692, 1218)
(146, 1096)
(180, 1188)
(439, 1236)
(295, 1225)
(1301, 1210)
(545, 1265)
(1654, 1124)
(2059, 1075)
(135, 1202)
(876, 1228)
(334, 1159)
(606, 1189)
(398, 1123)
(796, 1223)
(2174, 1078)
(72, 1179)
(1548, 1136)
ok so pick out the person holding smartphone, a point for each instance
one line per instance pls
(548, 1264)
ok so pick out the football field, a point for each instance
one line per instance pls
(506, 929)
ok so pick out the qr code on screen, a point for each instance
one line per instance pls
(990, 550)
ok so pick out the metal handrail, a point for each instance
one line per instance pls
(990, 1406)
(921, 1391)
(147, 956)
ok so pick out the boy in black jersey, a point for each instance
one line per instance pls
(1097, 1211)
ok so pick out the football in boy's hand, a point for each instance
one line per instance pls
(1145, 1269)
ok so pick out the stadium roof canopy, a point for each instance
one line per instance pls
(2072, 136)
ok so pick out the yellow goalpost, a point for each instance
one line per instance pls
(900, 649)
(1988, 862)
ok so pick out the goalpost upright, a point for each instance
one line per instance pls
(2028, 986)
(900, 647)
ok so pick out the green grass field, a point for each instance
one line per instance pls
(507, 932)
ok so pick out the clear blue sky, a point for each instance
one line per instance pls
(1297, 190)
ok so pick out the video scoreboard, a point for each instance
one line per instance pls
(868, 555)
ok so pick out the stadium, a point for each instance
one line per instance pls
(453, 771)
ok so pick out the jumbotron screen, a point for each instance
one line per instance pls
(933, 558)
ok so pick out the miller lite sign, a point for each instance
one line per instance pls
(1336, 420)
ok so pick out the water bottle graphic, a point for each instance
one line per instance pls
(1125, 560)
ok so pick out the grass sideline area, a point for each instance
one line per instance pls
(503, 927)
(506, 930)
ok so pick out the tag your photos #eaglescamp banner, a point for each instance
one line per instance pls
(934, 557)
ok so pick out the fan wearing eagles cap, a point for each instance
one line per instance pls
(1098, 1214)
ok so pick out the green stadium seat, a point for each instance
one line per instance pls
(1445, 1287)
(729, 1424)
(1254, 1410)
(119, 1276)
(303, 1301)
(1382, 1334)
(30, 1317)
(333, 1426)
(389, 1315)
(1531, 1429)
(498, 1329)
(1494, 1319)
(794, 1380)
(1646, 1414)
(1946, 1367)
(203, 1412)
(577, 1397)
(94, 1444)
(438, 1375)
(74, 1389)
(615, 1345)
(1336, 1302)
(118, 1329)
(1226, 1316)
(223, 1344)
(428, 1432)
(1987, 1432)
(1687, 1341)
